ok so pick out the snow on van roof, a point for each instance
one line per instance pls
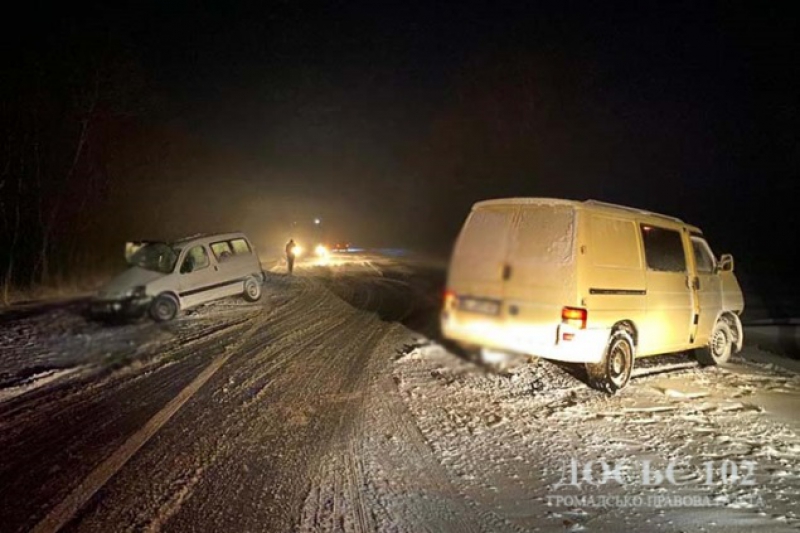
(597, 203)
(573, 203)
(526, 201)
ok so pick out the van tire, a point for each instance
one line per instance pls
(252, 289)
(613, 372)
(164, 308)
(719, 347)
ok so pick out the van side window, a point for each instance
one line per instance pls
(663, 249)
(196, 259)
(222, 250)
(240, 246)
(702, 256)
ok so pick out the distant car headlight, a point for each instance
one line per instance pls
(321, 250)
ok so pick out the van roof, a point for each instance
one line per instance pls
(596, 204)
(527, 201)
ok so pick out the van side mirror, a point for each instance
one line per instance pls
(725, 263)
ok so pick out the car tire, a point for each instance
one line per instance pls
(613, 372)
(720, 345)
(252, 289)
(164, 308)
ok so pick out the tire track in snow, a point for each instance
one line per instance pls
(50, 446)
(290, 486)
(66, 509)
(248, 451)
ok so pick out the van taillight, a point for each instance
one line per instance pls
(574, 317)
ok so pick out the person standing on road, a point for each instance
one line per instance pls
(290, 254)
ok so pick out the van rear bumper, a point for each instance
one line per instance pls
(583, 346)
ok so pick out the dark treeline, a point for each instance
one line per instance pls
(154, 121)
(65, 114)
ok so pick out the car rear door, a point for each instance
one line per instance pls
(197, 276)
(229, 267)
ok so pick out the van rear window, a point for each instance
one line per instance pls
(485, 234)
(663, 249)
(544, 235)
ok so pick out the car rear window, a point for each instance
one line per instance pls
(240, 246)
(222, 250)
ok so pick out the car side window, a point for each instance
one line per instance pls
(222, 250)
(196, 259)
(663, 249)
(702, 256)
(240, 246)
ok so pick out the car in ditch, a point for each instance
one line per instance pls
(165, 278)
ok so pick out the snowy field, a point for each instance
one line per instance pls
(331, 406)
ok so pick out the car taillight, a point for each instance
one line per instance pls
(574, 317)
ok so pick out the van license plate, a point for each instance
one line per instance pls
(476, 305)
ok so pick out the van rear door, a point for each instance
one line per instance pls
(541, 273)
(479, 259)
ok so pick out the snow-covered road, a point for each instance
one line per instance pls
(330, 406)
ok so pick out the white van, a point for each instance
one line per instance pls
(589, 282)
(165, 278)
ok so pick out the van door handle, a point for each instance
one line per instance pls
(506, 272)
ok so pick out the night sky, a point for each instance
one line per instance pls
(389, 119)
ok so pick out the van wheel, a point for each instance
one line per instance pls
(252, 290)
(164, 308)
(614, 371)
(720, 345)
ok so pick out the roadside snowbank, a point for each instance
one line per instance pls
(506, 441)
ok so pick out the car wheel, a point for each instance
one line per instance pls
(613, 372)
(164, 308)
(720, 345)
(252, 290)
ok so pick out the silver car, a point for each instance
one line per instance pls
(165, 278)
